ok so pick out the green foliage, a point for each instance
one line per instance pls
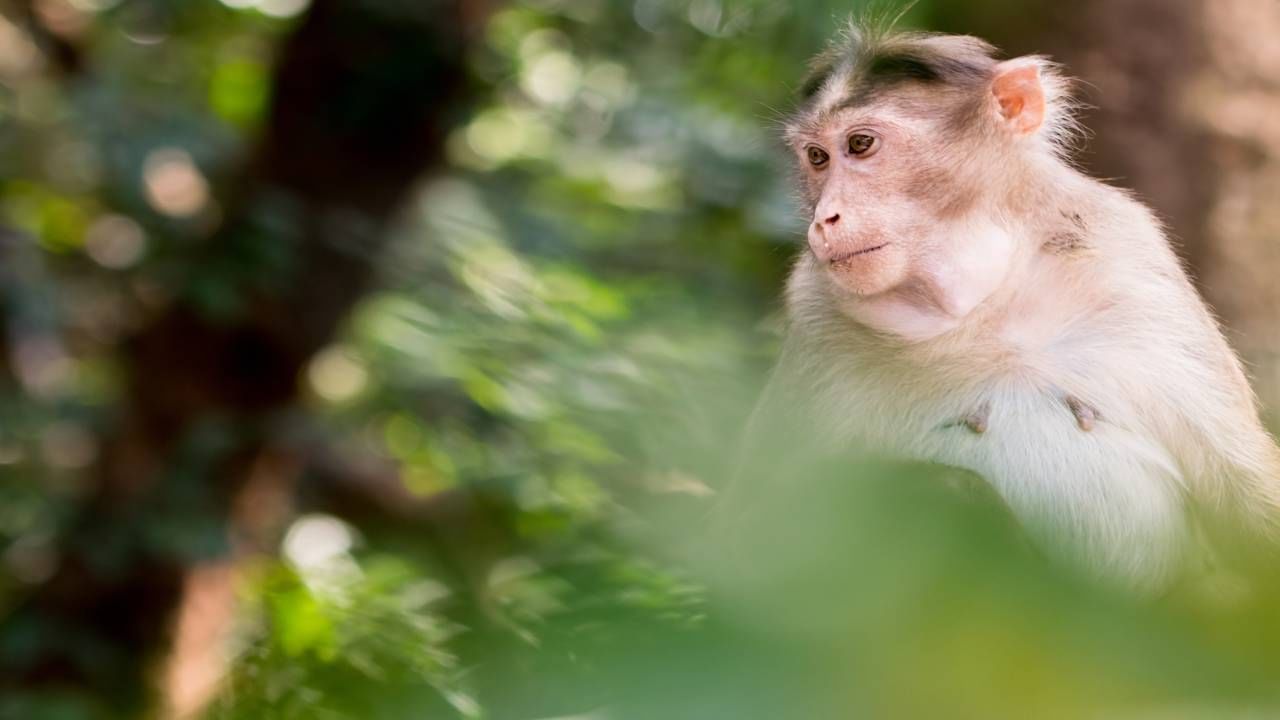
(548, 379)
(330, 624)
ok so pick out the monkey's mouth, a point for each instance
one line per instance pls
(840, 259)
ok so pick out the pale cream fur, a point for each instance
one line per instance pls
(990, 313)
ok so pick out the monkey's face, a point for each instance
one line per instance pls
(869, 191)
(903, 179)
(909, 153)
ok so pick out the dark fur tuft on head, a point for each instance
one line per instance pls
(870, 54)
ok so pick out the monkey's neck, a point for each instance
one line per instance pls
(988, 261)
(940, 297)
(913, 313)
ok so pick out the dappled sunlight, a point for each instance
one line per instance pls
(391, 359)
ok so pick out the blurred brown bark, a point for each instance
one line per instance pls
(364, 94)
(1186, 112)
(1235, 98)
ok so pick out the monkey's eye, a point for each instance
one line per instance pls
(863, 145)
(818, 157)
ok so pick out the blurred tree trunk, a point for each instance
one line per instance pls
(1186, 97)
(364, 93)
(1235, 98)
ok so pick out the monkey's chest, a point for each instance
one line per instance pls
(1104, 493)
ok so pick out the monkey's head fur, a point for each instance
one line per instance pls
(901, 140)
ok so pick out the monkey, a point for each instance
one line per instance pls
(967, 296)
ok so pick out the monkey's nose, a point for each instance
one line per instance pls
(832, 220)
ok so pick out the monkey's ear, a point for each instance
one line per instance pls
(1019, 95)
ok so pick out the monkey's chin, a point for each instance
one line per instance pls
(870, 272)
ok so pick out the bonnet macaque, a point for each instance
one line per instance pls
(969, 298)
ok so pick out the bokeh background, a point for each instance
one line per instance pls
(382, 359)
